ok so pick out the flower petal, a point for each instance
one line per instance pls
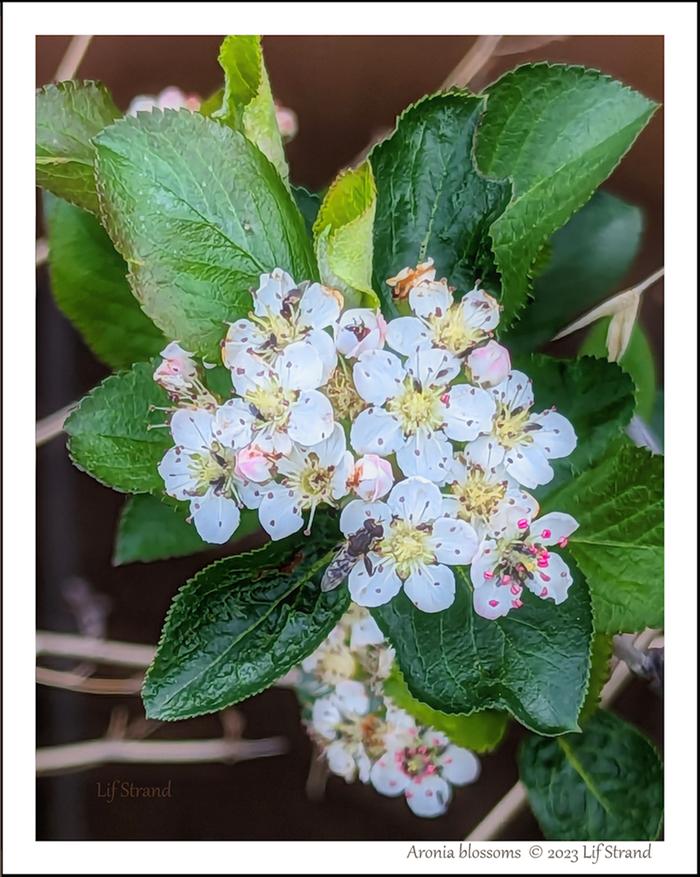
(483, 563)
(250, 371)
(552, 581)
(376, 589)
(356, 512)
(427, 454)
(352, 698)
(299, 367)
(515, 391)
(279, 512)
(365, 632)
(324, 346)
(556, 436)
(176, 473)
(243, 335)
(233, 422)
(453, 541)
(310, 418)
(406, 334)
(433, 367)
(468, 412)
(375, 431)
(528, 465)
(430, 797)
(416, 500)
(492, 601)
(215, 517)
(325, 717)
(459, 766)
(480, 310)
(430, 298)
(559, 525)
(431, 588)
(378, 376)
(340, 761)
(386, 778)
(271, 293)
(486, 452)
(320, 306)
(192, 429)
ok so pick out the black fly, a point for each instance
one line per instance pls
(356, 546)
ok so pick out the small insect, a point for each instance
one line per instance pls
(356, 546)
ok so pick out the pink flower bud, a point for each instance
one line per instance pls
(360, 330)
(489, 364)
(252, 464)
(372, 477)
(287, 122)
(176, 370)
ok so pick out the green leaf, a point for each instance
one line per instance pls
(481, 732)
(619, 543)
(89, 285)
(309, 204)
(109, 436)
(595, 395)
(533, 663)
(601, 656)
(603, 784)
(590, 256)
(68, 115)
(239, 625)
(557, 132)
(637, 361)
(247, 104)
(343, 236)
(198, 213)
(151, 529)
(431, 200)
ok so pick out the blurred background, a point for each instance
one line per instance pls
(345, 91)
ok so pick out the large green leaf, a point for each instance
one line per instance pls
(109, 436)
(246, 103)
(343, 236)
(603, 784)
(239, 625)
(481, 732)
(150, 529)
(198, 213)
(431, 200)
(557, 132)
(88, 281)
(68, 115)
(534, 663)
(619, 542)
(589, 258)
(595, 395)
(637, 361)
(309, 203)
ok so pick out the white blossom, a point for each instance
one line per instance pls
(523, 441)
(520, 558)
(414, 412)
(416, 551)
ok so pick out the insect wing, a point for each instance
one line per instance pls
(337, 570)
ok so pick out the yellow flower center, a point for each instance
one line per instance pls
(451, 332)
(478, 497)
(407, 546)
(279, 330)
(345, 399)
(313, 483)
(508, 425)
(337, 665)
(214, 469)
(416, 408)
(271, 401)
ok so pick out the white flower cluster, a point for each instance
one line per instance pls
(428, 401)
(362, 735)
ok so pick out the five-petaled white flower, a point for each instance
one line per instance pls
(345, 730)
(519, 558)
(416, 550)
(423, 765)
(284, 314)
(309, 477)
(201, 469)
(280, 404)
(524, 442)
(485, 496)
(415, 412)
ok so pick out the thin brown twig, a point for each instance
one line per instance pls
(52, 426)
(72, 58)
(87, 684)
(480, 53)
(42, 251)
(102, 651)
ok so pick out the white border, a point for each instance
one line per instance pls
(677, 21)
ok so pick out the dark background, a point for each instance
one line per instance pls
(345, 90)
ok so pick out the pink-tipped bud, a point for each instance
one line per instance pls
(371, 478)
(360, 330)
(489, 364)
(522, 524)
(252, 464)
